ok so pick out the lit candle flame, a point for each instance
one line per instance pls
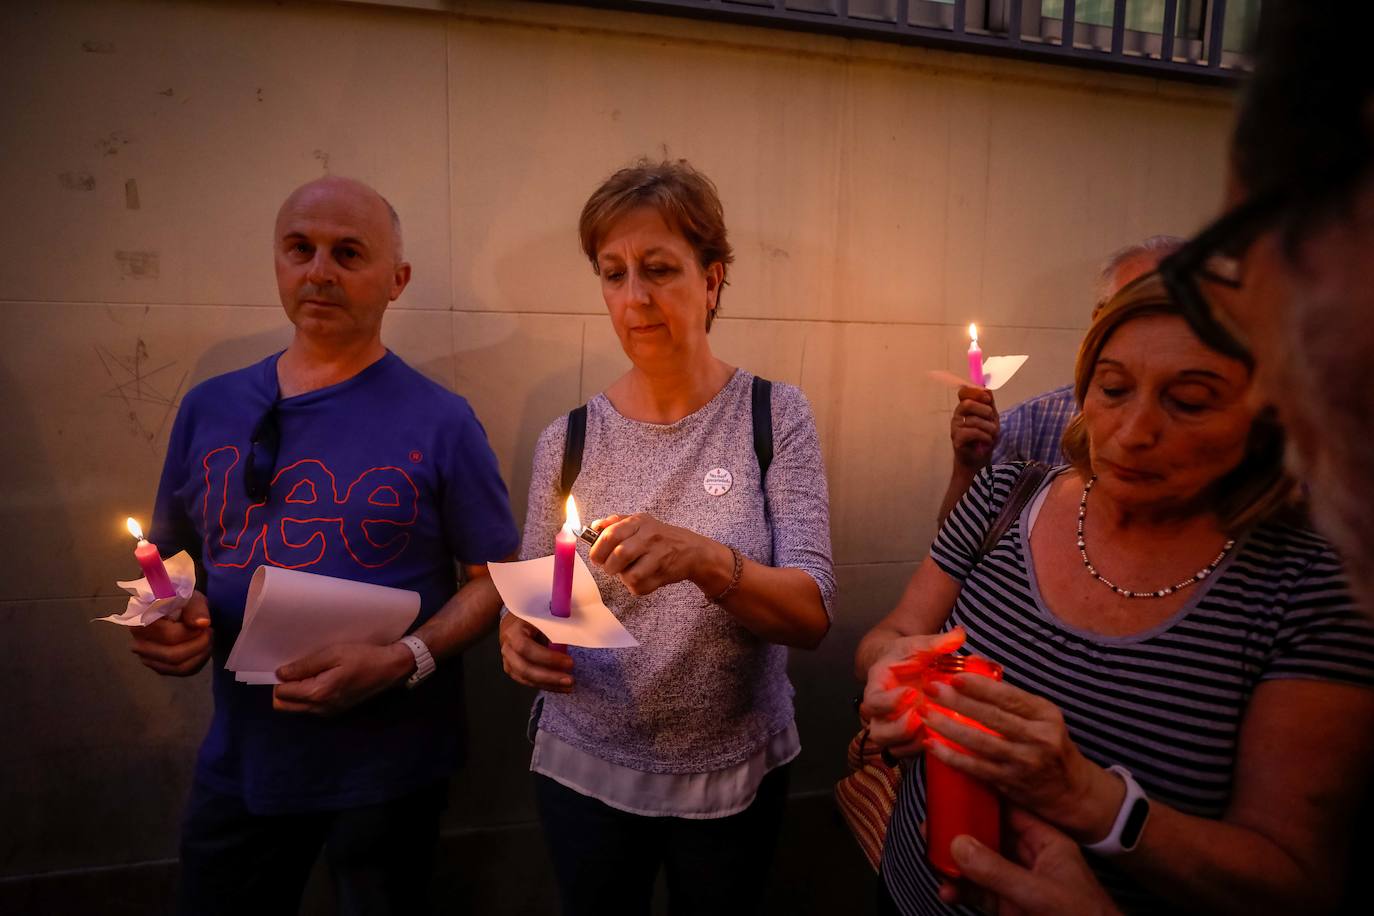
(134, 529)
(973, 332)
(573, 523)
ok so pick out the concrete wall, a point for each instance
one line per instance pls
(879, 199)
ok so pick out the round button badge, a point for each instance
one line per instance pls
(718, 481)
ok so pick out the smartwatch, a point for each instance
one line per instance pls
(424, 662)
(1130, 819)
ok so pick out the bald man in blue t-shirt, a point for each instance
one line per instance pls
(337, 458)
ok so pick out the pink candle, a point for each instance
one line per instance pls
(564, 549)
(151, 562)
(975, 357)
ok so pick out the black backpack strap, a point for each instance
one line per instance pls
(573, 444)
(763, 424)
(1025, 487)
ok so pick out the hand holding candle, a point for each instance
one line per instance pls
(894, 699)
(164, 589)
(991, 372)
(1030, 760)
(177, 647)
(151, 563)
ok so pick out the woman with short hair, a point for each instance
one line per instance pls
(674, 753)
(1156, 615)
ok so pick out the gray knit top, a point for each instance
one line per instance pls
(700, 692)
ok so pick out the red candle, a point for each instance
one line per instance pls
(975, 358)
(956, 803)
(151, 562)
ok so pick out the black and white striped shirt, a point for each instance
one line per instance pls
(1165, 703)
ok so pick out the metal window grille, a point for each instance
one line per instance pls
(1198, 40)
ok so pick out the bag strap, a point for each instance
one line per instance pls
(761, 409)
(1032, 475)
(573, 444)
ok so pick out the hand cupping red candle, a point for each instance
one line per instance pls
(956, 803)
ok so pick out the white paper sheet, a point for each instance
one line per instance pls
(525, 587)
(143, 608)
(997, 371)
(290, 614)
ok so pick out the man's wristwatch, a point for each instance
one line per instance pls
(424, 662)
(1130, 819)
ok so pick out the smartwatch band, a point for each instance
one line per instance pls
(1130, 819)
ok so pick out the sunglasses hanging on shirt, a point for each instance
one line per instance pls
(262, 457)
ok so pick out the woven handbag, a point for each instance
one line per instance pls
(868, 794)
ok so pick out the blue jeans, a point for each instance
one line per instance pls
(606, 860)
(380, 856)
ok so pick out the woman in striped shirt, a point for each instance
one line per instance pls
(1154, 614)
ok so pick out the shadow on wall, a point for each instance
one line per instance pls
(101, 748)
(32, 490)
(238, 352)
(493, 791)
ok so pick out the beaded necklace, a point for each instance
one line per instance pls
(1126, 592)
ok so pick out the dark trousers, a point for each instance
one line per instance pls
(380, 857)
(885, 905)
(607, 860)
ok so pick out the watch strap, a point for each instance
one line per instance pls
(1130, 819)
(424, 661)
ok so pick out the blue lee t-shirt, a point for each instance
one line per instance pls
(386, 478)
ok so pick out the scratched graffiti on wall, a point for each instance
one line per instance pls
(148, 390)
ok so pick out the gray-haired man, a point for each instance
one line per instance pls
(1032, 430)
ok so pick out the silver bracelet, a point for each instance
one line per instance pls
(734, 578)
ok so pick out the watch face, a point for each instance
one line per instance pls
(1135, 823)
